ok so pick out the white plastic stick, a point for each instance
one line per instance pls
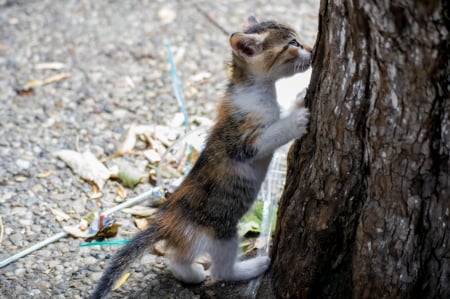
(156, 193)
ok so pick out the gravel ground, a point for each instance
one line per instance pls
(115, 55)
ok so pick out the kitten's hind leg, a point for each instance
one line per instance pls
(226, 267)
(187, 272)
(183, 266)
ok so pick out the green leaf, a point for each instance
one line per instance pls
(246, 245)
(246, 227)
(251, 222)
(128, 179)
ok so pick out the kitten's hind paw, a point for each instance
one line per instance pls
(188, 273)
(251, 268)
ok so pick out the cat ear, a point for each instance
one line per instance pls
(245, 44)
(250, 22)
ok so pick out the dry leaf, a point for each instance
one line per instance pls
(45, 174)
(160, 248)
(95, 189)
(131, 138)
(120, 281)
(157, 146)
(153, 177)
(86, 165)
(140, 211)
(52, 79)
(129, 142)
(76, 231)
(96, 195)
(60, 215)
(84, 225)
(122, 192)
(152, 156)
(166, 135)
(20, 179)
(50, 66)
(141, 223)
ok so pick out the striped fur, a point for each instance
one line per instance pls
(201, 216)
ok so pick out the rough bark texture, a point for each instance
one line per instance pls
(365, 212)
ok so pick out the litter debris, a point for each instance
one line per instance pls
(86, 165)
(50, 66)
(105, 243)
(141, 223)
(129, 179)
(45, 174)
(28, 87)
(179, 158)
(100, 227)
(156, 194)
(60, 215)
(158, 138)
(121, 281)
(140, 211)
(121, 192)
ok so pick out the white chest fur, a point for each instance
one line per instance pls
(258, 99)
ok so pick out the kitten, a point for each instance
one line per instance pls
(201, 216)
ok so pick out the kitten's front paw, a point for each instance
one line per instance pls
(301, 119)
(299, 122)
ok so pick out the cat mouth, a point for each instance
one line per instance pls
(300, 65)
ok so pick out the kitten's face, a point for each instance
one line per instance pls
(269, 50)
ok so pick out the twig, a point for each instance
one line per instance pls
(52, 79)
(156, 193)
(210, 19)
(50, 66)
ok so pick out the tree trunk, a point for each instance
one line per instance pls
(365, 212)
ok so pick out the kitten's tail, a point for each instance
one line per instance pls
(124, 258)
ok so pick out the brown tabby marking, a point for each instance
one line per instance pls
(202, 214)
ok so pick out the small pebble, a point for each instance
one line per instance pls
(23, 164)
(19, 272)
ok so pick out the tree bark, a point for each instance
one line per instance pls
(365, 211)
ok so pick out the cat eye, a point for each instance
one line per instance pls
(295, 43)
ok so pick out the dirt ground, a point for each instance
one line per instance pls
(77, 74)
